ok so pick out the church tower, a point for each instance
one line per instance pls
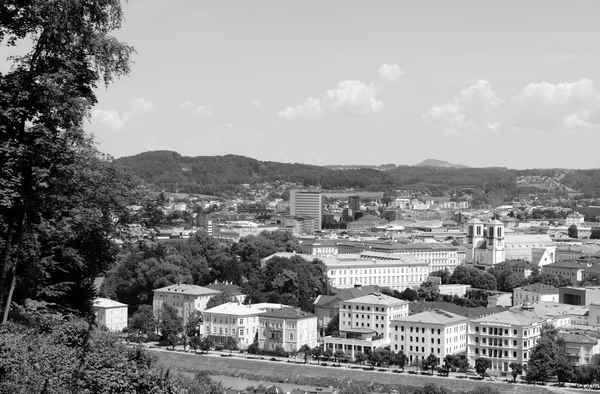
(474, 239)
(495, 243)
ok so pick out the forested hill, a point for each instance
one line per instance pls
(222, 175)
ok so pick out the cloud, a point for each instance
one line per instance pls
(567, 105)
(198, 110)
(473, 109)
(111, 118)
(117, 122)
(255, 103)
(141, 105)
(390, 73)
(229, 125)
(349, 97)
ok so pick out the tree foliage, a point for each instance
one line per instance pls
(482, 364)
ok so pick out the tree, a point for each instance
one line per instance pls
(572, 231)
(333, 327)
(545, 356)
(443, 274)
(206, 344)
(516, 370)
(564, 371)
(339, 355)
(400, 359)
(220, 299)
(172, 339)
(192, 327)
(360, 357)
(409, 294)
(45, 99)
(195, 342)
(317, 352)
(169, 321)
(429, 290)
(431, 362)
(254, 347)
(431, 388)
(306, 350)
(481, 365)
(230, 344)
(143, 320)
(595, 233)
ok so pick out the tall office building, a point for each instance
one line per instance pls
(308, 203)
(354, 203)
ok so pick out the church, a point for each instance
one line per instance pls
(488, 245)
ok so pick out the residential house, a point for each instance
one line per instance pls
(287, 327)
(435, 332)
(568, 269)
(234, 320)
(228, 287)
(327, 306)
(110, 314)
(183, 297)
(535, 293)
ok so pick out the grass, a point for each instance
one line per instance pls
(307, 375)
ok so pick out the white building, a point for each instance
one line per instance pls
(287, 327)
(185, 298)
(365, 323)
(307, 203)
(231, 319)
(431, 332)
(575, 218)
(110, 314)
(535, 293)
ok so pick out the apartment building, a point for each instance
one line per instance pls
(327, 306)
(568, 269)
(505, 337)
(430, 332)
(365, 323)
(307, 203)
(535, 293)
(232, 319)
(110, 314)
(185, 298)
(287, 327)
(396, 272)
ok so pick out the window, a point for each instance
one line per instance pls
(291, 336)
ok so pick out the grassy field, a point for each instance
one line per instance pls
(304, 374)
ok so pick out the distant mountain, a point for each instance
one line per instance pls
(438, 164)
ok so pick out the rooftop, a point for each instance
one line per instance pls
(539, 288)
(233, 308)
(377, 299)
(188, 289)
(288, 313)
(107, 303)
(436, 316)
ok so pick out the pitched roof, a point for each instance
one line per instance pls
(228, 287)
(540, 288)
(420, 306)
(233, 308)
(436, 316)
(288, 313)
(188, 289)
(516, 317)
(377, 299)
(107, 303)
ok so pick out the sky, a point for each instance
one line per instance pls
(512, 84)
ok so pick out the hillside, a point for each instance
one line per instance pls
(438, 164)
(224, 175)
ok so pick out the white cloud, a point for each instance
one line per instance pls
(349, 97)
(473, 109)
(546, 106)
(111, 118)
(141, 105)
(390, 73)
(198, 110)
(539, 106)
(255, 103)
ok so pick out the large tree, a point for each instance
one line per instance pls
(45, 100)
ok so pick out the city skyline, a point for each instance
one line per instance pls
(483, 85)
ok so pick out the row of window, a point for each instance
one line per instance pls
(500, 331)
(371, 271)
(498, 353)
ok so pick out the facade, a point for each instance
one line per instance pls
(574, 295)
(519, 267)
(504, 337)
(287, 327)
(580, 347)
(185, 298)
(535, 293)
(354, 203)
(574, 218)
(568, 269)
(230, 288)
(231, 319)
(327, 306)
(395, 272)
(430, 332)
(110, 314)
(366, 323)
(307, 203)
(319, 247)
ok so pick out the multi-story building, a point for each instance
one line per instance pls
(307, 203)
(396, 272)
(431, 332)
(354, 203)
(110, 314)
(505, 337)
(580, 347)
(327, 306)
(185, 298)
(319, 247)
(287, 327)
(535, 293)
(365, 323)
(575, 295)
(520, 267)
(234, 320)
(568, 269)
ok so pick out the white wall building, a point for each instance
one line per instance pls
(307, 203)
(185, 298)
(287, 327)
(231, 319)
(110, 314)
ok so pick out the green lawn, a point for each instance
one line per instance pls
(312, 375)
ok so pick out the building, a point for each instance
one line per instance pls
(576, 252)
(287, 327)
(240, 322)
(580, 347)
(574, 295)
(535, 293)
(327, 306)
(519, 267)
(185, 298)
(110, 314)
(307, 203)
(430, 332)
(574, 219)
(568, 269)
(354, 203)
(395, 272)
(365, 323)
(505, 337)
(319, 247)
(230, 288)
